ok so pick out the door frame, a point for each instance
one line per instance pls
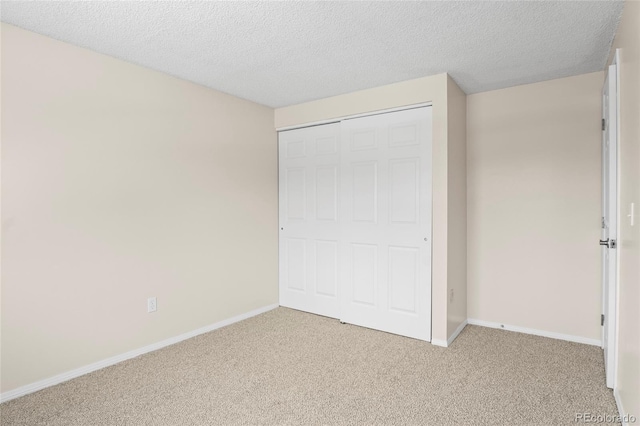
(610, 310)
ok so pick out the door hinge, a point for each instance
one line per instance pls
(602, 319)
(604, 224)
(604, 124)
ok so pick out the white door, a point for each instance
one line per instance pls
(386, 222)
(609, 220)
(309, 229)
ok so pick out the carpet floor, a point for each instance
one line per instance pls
(287, 367)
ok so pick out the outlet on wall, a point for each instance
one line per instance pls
(152, 304)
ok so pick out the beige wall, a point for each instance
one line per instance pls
(432, 89)
(534, 206)
(457, 207)
(120, 183)
(628, 375)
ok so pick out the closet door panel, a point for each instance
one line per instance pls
(309, 182)
(386, 222)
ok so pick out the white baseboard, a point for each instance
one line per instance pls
(625, 418)
(455, 333)
(447, 343)
(550, 334)
(39, 385)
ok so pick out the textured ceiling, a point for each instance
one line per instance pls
(283, 53)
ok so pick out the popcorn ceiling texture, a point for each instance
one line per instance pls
(284, 53)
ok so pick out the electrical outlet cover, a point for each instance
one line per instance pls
(152, 304)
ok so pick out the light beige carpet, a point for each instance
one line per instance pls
(292, 368)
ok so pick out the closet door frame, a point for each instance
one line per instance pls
(337, 121)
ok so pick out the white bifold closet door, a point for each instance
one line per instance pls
(355, 218)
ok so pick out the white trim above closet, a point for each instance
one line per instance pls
(348, 117)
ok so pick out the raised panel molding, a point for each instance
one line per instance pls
(364, 140)
(403, 278)
(327, 193)
(326, 145)
(403, 190)
(403, 135)
(364, 273)
(296, 194)
(296, 252)
(327, 268)
(365, 191)
(296, 149)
